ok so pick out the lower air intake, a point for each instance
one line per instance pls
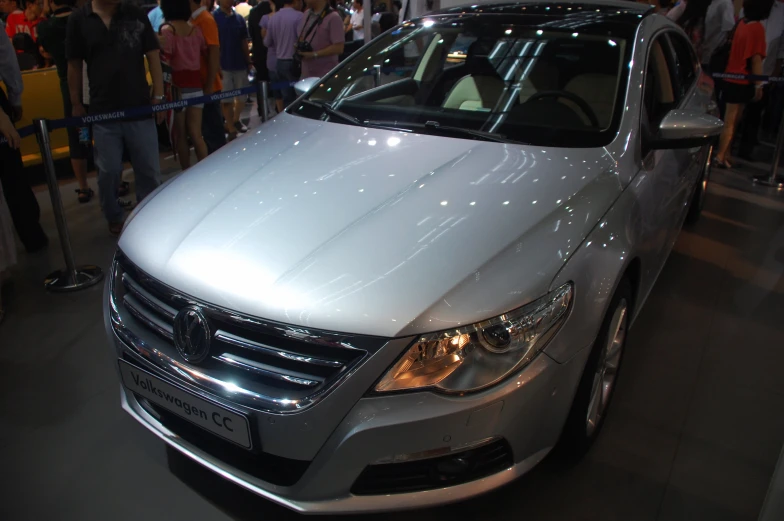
(443, 471)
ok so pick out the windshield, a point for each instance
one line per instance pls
(541, 80)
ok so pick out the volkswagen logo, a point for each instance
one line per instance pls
(192, 334)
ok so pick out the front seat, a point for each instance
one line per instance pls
(475, 93)
(480, 89)
(598, 90)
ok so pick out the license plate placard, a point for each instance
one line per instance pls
(209, 416)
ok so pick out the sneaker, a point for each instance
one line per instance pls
(240, 126)
(124, 189)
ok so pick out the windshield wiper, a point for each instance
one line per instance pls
(435, 125)
(330, 110)
(348, 118)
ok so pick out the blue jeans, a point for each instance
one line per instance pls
(140, 139)
(212, 128)
(284, 75)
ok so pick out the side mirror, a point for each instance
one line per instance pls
(686, 129)
(304, 85)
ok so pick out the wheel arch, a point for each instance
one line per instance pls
(607, 255)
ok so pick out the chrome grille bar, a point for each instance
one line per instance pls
(264, 370)
(152, 322)
(223, 336)
(150, 301)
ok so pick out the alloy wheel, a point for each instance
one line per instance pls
(607, 367)
(703, 187)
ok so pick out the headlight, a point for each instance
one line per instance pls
(477, 356)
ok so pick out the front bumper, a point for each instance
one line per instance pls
(527, 411)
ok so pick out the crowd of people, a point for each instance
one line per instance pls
(103, 51)
(749, 44)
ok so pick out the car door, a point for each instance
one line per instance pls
(665, 168)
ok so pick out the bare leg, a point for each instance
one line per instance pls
(239, 106)
(183, 151)
(279, 105)
(732, 116)
(80, 171)
(193, 122)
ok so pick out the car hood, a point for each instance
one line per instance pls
(370, 231)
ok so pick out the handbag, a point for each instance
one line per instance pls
(170, 91)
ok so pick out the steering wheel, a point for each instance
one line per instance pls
(587, 110)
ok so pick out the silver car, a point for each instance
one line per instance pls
(415, 283)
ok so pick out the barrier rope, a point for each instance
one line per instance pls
(146, 110)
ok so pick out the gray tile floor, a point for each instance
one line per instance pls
(694, 433)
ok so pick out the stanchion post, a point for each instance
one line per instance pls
(772, 180)
(73, 277)
(265, 97)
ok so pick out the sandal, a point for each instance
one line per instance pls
(125, 189)
(85, 195)
(721, 163)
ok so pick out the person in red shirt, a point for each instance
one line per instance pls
(25, 21)
(749, 47)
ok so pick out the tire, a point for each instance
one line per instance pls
(589, 408)
(698, 198)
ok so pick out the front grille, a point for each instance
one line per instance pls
(260, 364)
(266, 467)
(431, 473)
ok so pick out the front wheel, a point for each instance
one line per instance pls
(698, 199)
(597, 384)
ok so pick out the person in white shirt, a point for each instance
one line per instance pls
(357, 21)
(243, 9)
(719, 22)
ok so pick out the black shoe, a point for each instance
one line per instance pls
(241, 128)
(38, 243)
(85, 195)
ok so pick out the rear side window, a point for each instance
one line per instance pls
(685, 63)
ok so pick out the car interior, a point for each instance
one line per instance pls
(527, 81)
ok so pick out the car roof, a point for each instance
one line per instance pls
(622, 10)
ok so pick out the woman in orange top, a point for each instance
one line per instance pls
(748, 49)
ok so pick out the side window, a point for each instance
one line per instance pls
(658, 89)
(685, 62)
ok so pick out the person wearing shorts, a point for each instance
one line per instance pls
(749, 48)
(51, 36)
(281, 35)
(182, 46)
(235, 63)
